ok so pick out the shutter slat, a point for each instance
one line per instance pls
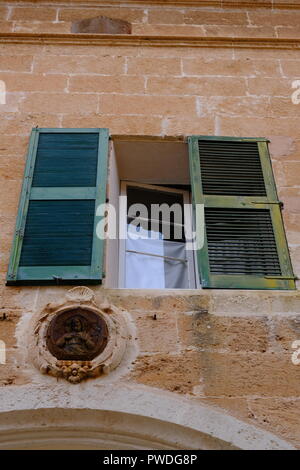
(53, 224)
(231, 168)
(223, 226)
(66, 160)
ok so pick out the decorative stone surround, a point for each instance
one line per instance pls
(75, 371)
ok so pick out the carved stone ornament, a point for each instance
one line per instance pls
(77, 339)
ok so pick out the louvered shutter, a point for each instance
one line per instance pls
(64, 182)
(244, 239)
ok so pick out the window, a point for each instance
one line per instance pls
(58, 240)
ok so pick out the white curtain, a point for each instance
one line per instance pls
(153, 272)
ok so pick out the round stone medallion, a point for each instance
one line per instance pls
(77, 334)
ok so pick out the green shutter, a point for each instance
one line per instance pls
(64, 183)
(244, 240)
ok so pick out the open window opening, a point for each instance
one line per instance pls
(155, 254)
(149, 185)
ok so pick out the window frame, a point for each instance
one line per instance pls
(192, 269)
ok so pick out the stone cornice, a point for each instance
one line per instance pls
(274, 4)
(142, 41)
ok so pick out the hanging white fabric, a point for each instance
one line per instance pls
(144, 271)
(166, 268)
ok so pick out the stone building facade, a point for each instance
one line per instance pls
(201, 368)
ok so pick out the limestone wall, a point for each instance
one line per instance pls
(237, 355)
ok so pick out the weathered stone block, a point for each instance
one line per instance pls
(125, 124)
(25, 82)
(41, 27)
(134, 15)
(148, 105)
(59, 103)
(284, 332)
(11, 373)
(171, 16)
(14, 63)
(279, 416)
(215, 17)
(107, 84)
(239, 302)
(275, 18)
(33, 14)
(8, 323)
(189, 125)
(70, 63)
(168, 30)
(178, 374)
(159, 66)
(240, 31)
(231, 334)
(248, 374)
(156, 332)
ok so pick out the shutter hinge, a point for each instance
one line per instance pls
(279, 203)
(20, 233)
(57, 279)
(285, 278)
(12, 276)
